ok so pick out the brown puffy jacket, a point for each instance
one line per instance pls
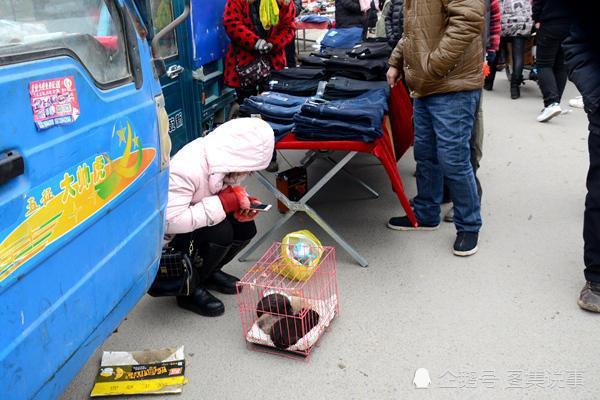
(440, 50)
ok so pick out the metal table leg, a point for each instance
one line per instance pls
(355, 179)
(302, 206)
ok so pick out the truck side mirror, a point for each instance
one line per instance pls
(159, 62)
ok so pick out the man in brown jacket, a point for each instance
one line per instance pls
(441, 56)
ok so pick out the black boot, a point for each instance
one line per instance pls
(201, 301)
(273, 165)
(223, 282)
(515, 90)
(589, 299)
(488, 83)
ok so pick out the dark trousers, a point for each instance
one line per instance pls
(517, 55)
(591, 220)
(223, 234)
(550, 61)
(290, 53)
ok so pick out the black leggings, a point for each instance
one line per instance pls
(223, 234)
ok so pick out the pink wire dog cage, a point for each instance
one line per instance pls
(284, 313)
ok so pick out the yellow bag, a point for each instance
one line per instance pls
(269, 13)
(301, 253)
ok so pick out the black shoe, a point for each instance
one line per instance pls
(488, 85)
(515, 91)
(202, 303)
(222, 282)
(273, 166)
(466, 244)
(589, 299)
(404, 224)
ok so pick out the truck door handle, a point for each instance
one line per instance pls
(174, 71)
(11, 165)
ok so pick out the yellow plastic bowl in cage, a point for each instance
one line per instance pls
(301, 253)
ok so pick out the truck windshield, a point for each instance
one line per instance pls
(88, 30)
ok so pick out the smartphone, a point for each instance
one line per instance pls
(260, 207)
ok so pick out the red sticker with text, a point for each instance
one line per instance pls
(54, 102)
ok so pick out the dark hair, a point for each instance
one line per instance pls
(288, 330)
(274, 303)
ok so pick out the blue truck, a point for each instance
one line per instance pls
(93, 92)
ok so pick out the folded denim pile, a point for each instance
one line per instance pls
(357, 118)
(314, 19)
(340, 87)
(297, 81)
(365, 61)
(278, 109)
(342, 37)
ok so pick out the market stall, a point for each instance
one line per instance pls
(336, 100)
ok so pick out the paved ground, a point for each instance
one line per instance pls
(503, 324)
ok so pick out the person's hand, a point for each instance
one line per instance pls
(268, 47)
(259, 45)
(393, 75)
(247, 215)
(229, 200)
(233, 198)
(537, 26)
(262, 46)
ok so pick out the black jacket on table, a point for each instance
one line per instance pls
(394, 22)
(582, 55)
(554, 11)
(348, 13)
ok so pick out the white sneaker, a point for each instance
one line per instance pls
(577, 102)
(549, 112)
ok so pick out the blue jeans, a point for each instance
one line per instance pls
(443, 126)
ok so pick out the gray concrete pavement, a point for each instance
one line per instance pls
(502, 324)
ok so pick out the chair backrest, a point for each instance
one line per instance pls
(401, 119)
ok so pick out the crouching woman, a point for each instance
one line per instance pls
(208, 209)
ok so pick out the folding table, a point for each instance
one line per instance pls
(383, 148)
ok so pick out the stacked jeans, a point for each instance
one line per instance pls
(299, 81)
(305, 73)
(340, 87)
(342, 37)
(371, 50)
(357, 118)
(365, 69)
(278, 109)
(295, 87)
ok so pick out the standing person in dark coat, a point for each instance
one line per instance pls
(348, 14)
(394, 22)
(290, 49)
(582, 56)
(552, 20)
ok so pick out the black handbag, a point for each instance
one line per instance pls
(175, 276)
(254, 74)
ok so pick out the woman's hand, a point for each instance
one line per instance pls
(247, 215)
(262, 46)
